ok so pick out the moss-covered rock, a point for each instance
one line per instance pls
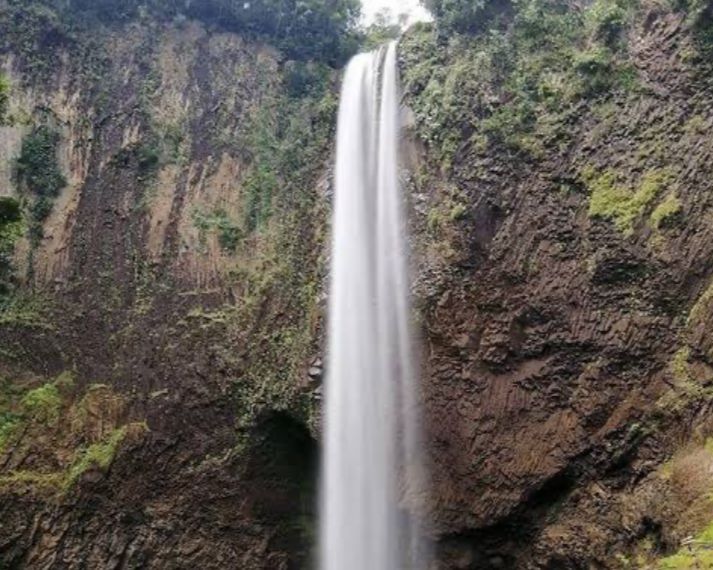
(624, 207)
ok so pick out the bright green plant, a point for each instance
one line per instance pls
(43, 403)
(595, 68)
(607, 19)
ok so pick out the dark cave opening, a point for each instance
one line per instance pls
(283, 466)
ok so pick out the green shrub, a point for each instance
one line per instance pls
(229, 232)
(41, 208)
(148, 156)
(507, 125)
(8, 424)
(43, 403)
(11, 229)
(38, 170)
(606, 19)
(260, 186)
(37, 165)
(302, 79)
(65, 381)
(10, 210)
(99, 454)
(594, 67)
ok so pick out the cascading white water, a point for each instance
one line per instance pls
(371, 470)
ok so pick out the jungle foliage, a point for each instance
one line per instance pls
(323, 30)
(467, 15)
(506, 73)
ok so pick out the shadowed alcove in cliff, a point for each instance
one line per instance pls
(282, 464)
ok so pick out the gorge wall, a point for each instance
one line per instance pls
(163, 294)
(163, 317)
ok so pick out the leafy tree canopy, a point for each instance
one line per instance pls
(466, 15)
(324, 30)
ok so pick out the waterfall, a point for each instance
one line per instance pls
(372, 480)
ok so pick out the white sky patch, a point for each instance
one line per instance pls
(413, 8)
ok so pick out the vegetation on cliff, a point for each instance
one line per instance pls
(11, 229)
(623, 206)
(196, 224)
(4, 97)
(186, 269)
(571, 143)
(305, 30)
(511, 84)
(50, 421)
(10, 211)
(39, 175)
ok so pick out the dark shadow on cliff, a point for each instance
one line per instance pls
(282, 466)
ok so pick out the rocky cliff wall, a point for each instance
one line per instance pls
(564, 271)
(160, 355)
(163, 314)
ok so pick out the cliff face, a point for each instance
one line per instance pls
(565, 242)
(163, 314)
(160, 333)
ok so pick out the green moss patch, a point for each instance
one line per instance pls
(613, 201)
(665, 211)
(42, 404)
(697, 554)
(50, 422)
(99, 455)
